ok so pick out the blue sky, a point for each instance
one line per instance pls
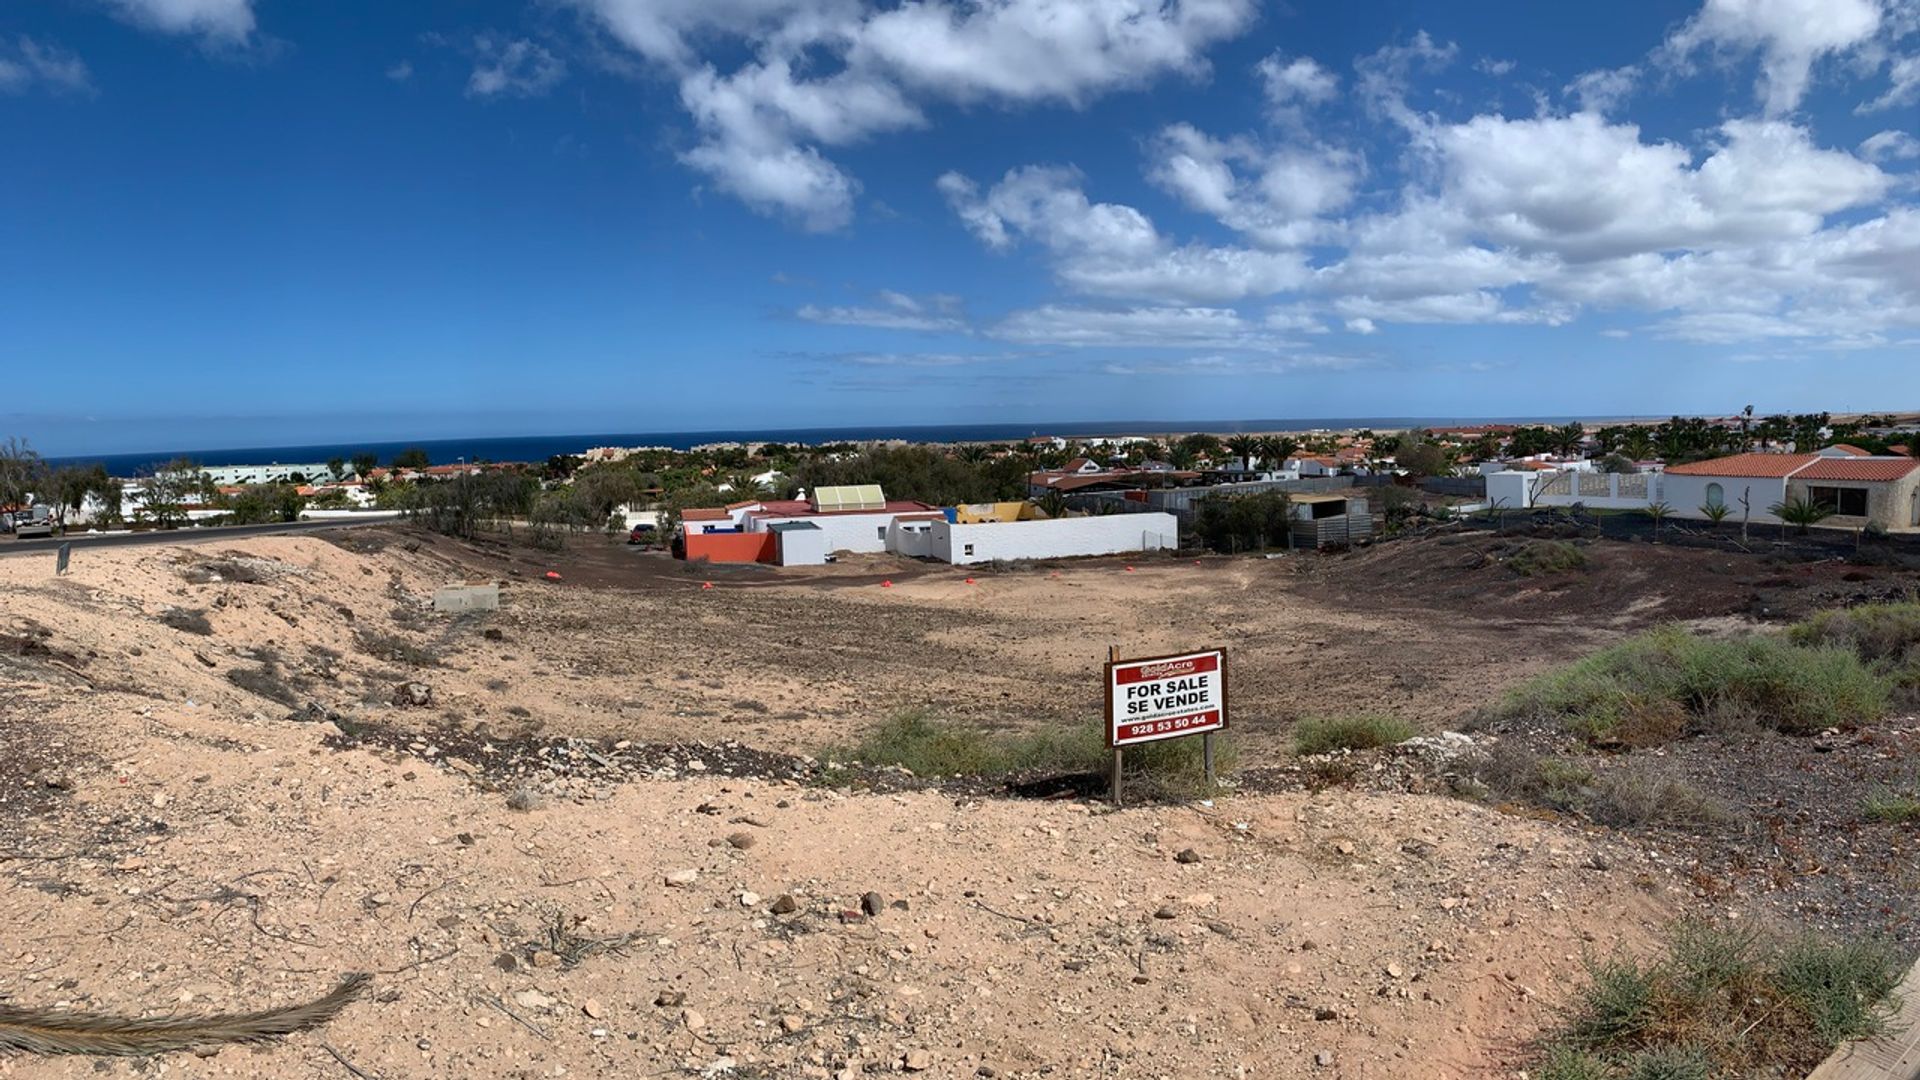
(245, 222)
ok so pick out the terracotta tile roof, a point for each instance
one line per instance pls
(743, 505)
(1850, 450)
(704, 514)
(1773, 466)
(1867, 469)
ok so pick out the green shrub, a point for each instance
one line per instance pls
(1541, 557)
(1652, 688)
(1886, 636)
(1722, 1002)
(1319, 735)
(1623, 796)
(1893, 805)
(1875, 632)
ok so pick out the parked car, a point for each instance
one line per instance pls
(33, 524)
(642, 533)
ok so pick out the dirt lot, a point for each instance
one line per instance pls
(193, 828)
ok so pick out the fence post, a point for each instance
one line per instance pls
(1113, 657)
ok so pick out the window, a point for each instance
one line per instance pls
(969, 549)
(1716, 495)
(881, 532)
(1845, 502)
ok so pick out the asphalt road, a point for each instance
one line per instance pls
(82, 542)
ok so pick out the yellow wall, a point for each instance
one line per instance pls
(986, 513)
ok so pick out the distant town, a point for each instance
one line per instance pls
(1042, 497)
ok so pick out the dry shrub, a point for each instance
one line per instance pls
(187, 621)
(1723, 1002)
(1635, 687)
(1324, 734)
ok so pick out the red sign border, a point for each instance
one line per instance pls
(1113, 742)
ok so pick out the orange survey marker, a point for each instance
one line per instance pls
(553, 575)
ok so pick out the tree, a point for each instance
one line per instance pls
(1274, 450)
(1638, 443)
(165, 492)
(22, 472)
(1570, 437)
(261, 504)
(364, 463)
(1201, 445)
(1659, 512)
(413, 457)
(1801, 512)
(1053, 503)
(1243, 447)
(1716, 512)
(1424, 459)
(337, 468)
(1618, 463)
(69, 486)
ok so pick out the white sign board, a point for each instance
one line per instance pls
(1165, 697)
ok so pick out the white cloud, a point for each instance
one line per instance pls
(1890, 146)
(1111, 249)
(1282, 202)
(828, 73)
(1068, 51)
(1604, 90)
(1140, 327)
(26, 65)
(1294, 84)
(518, 68)
(1790, 36)
(1903, 89)
(1362, 325)
(229, 22)
(1385, 77)
(1237, 365)
(896, 311)
(1585, 189)
(401, 72)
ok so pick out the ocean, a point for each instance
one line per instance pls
(542, 447)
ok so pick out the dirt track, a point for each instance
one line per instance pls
(190, 839)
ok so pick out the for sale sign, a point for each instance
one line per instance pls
(1165, 697)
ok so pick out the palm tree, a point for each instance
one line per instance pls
(1716, 512)
(1638, 443)
(1800, 511)
(1243, 447)
(1053, 504)
(973, 453)
(1658, 512)
(1275, 450)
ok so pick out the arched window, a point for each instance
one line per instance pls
(1716, 495)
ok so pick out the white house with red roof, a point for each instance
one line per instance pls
(1858, 490)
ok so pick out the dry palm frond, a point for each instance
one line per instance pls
(50, 1031)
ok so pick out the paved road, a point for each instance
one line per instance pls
(82, 542)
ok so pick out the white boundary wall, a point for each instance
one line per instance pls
(1062, 538)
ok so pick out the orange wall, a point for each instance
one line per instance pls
(731, 547)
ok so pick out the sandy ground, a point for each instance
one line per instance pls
(179, 837)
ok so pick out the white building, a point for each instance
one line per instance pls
(230, 475)
(1058, 538)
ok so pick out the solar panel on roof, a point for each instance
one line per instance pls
(849, 497)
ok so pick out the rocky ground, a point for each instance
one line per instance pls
(580, 836)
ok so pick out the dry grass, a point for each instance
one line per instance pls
(1323, 734)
